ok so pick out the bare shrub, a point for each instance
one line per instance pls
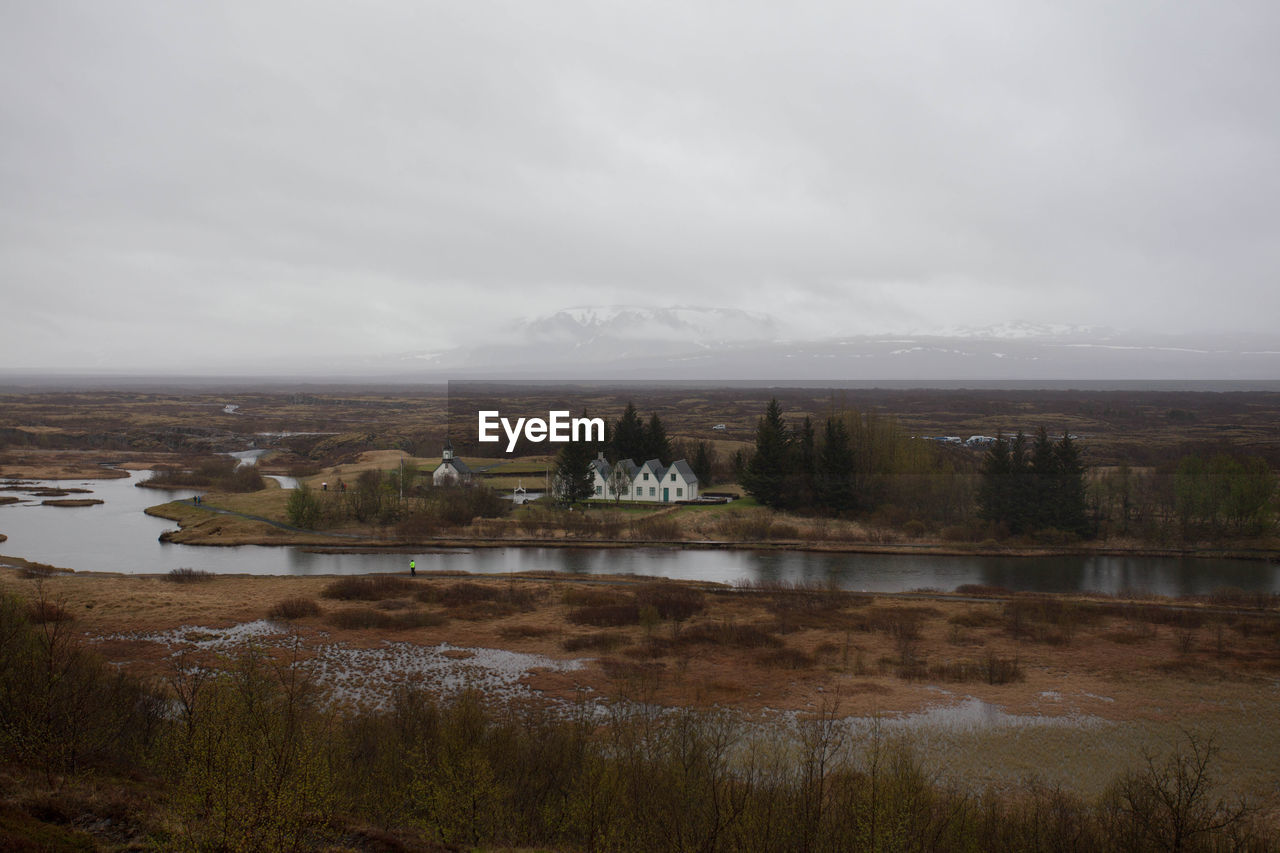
(731, 634)
(606, 615)
(186, 575)
(368, 587)
(601, 640)
(294, 608)
(671, 600)
(650, 649)
(1045, 620)
(42, 611)
(1171, 804)
(481, 600)
(660, 529)
(592, 597)
(992, 669)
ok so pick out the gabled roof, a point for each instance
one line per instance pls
(629, 466)
(654, 465)
(682, 468)
(601, 466)
(455, 463)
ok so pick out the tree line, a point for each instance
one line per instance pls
(856, 463)
(1041, 487)
(1194, 497)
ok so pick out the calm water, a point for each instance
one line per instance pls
(118, 537)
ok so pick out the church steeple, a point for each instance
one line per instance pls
(448, 451)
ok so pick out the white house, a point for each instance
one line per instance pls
(612, 482)
(645, 484)
(450, 470)
(650, 482)
(680, 482)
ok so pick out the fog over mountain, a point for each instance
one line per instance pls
(690, 342)
(276, 187)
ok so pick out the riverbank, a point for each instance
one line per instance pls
(225, 520)
(1068, 687)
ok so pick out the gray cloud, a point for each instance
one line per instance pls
(267, 180)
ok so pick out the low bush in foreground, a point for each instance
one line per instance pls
(186, 575)
(368, 587)
(294, 608)
(606, 615)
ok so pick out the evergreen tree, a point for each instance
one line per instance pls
(1070, 493)
(799, 489)
(573, 478)
(704, 461)
(1020, 499)
(1043, 509)
(1042, 490)
(994, 491)
(656, 444)
(833, 477)
(628, 436)
(766, 472)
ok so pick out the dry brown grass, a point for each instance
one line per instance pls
(1131, 657)
(1141, 689)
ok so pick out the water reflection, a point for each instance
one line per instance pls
(119, 537)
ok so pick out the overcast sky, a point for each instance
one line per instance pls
(197, 183)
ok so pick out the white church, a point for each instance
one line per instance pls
(451, 469)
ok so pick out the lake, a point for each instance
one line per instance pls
(118, 537)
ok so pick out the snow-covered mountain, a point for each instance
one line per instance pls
(690, 342)
(688, 324)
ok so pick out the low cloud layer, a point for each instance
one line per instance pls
(242, 183)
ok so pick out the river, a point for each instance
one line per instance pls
(118, 537)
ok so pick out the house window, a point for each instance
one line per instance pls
(598, 489)
(679, 492)
(646, 475)
(652, 491)
(673, 476)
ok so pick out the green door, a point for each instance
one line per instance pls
(666, 494)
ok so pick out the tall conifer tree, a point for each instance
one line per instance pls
(833, 477)
(766, 472)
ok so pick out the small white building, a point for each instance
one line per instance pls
(680, 482)
(612, 482)
(450, 470)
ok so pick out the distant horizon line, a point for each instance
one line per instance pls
(25, 381)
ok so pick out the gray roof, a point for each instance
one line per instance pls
(601, 465)
(629, 466)
(682, 468)
(457, 464)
